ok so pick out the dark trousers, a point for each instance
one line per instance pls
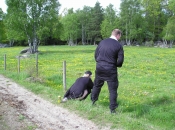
(112, 87)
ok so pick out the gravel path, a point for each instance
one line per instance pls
(21, 109)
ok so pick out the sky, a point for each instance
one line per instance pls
(75, 4)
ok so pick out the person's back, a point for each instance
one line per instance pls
(109, 56)
(77, 89)
(81, 88)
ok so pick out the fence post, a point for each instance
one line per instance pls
(64, 75)
(5, 62)
(18, 64)
(37, 64)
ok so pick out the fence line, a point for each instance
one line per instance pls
(18, 64)
(37, 68)
(37, 64)
(64, 75)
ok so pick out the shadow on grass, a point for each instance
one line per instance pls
(142, 109)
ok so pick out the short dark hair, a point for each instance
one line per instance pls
(88, 72)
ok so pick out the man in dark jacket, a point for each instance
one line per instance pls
(109, 55)
(80, 89)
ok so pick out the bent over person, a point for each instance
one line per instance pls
(80, 89)
(109, 55)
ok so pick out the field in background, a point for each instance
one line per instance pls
(146, 83)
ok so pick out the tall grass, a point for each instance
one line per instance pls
(146, 93)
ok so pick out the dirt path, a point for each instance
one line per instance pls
(23, 110)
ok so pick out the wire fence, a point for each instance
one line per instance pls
(31, 66)
(55, 74)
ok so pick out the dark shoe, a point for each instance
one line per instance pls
(113, 111)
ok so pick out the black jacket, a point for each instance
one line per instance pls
(109, 55)
(77, 89)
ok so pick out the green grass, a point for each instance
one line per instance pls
(146, 93)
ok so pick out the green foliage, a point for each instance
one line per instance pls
(3, 36)
(32, 21)
(95, 21)
(171, 6)
(155, 11)
(70, 27)
(170, 29)
(83, 17)
(110, 21)
(38, 21)
(82, 24)
(132, 21)
(146, 93)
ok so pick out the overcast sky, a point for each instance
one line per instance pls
(76, 4)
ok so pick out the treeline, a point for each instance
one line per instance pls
(36, 23)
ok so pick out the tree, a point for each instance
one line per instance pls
(95, 22)
(1, 24)
(170, 27)
(171, 6)
(132, 21)
(2, 27)
(83, 17)
(110, 22)
(71, 28)
(31, 20)
(153, 14)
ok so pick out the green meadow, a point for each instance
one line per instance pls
(146, 93)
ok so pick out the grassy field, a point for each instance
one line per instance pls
(146, 93)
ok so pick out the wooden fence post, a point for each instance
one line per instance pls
(64, 75)
(37, 64)
(18, 64)
(5, 62)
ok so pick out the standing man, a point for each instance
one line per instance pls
(109, 55)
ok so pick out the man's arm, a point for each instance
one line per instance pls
(120, 58)
(96, 53)
(84, 95)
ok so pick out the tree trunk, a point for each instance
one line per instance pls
(11, 42)
(35, 45)
(70, 42)
(128, 42)
(30, 46)
(83, 36)
(126, 34)
(171, 44)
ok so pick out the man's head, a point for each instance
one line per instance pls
(116, 33)
(87, 74)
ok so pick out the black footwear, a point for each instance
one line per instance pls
(113, 111)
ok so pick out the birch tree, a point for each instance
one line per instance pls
(30, 20)
(132, 21)
(83, 18)
(170, 27)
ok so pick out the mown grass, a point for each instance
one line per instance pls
(146, 93)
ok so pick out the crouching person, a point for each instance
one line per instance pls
(80, 89)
